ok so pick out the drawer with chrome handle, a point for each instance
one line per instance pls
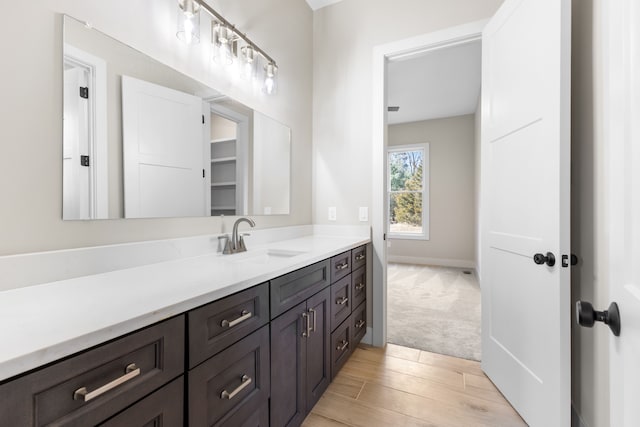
(358, 257)
(343, 345)
(231, 384)
(217, 325)
(340, 266)
(360, 324)
(359, 319)
(340, 301)
(96, 384)
(359, 286)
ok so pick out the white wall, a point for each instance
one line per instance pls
(344, 37)
(590, 347)
(477, 162)
(452, 192)
(31, 109)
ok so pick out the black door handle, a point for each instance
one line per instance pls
(548, 259)
(587, 316)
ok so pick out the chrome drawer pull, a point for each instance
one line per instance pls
(246, 380)
(307, 327)
(342, 266)
(344, 344)
(245, 315)
(342, 301)
(359, 286)
(312, 311)
(360, 257)
(131, 371)
(360, 323)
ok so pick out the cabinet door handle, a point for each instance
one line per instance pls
(360, 323)
(342, 301)
(359, 286)
(245, 381)
(307, 327)
(315, 315)
(131, 371)
(344, 344)
(342, 266)
(360, 257)
(245, 315)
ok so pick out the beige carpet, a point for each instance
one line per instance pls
(436, 309)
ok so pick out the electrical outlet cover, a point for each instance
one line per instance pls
(332, 213)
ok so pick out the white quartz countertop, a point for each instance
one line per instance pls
(40, 324)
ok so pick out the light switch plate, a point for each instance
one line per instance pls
(332, 213)
(363, 215)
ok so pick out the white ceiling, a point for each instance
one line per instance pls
(442, 83)
(319, 4)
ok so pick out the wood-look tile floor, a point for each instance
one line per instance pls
(400, 386)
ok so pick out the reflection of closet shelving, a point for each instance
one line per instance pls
(223, 176)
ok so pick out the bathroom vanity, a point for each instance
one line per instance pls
(257, 349)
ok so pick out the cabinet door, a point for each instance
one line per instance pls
(162, 408)
(288, 367)
(318, 351)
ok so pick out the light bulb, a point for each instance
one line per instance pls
(270, 78)
(248, 69)
(188, 21)
(222, 41)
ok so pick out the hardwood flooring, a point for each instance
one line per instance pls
(400, 386)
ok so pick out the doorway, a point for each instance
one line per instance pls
(433, 131)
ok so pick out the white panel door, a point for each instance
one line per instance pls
(162, 149)
(526, 309)
(76, 199)
(622, 133)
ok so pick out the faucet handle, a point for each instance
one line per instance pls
(227, 244)
(241, 246)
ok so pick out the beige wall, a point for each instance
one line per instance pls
(452, 191)
(344, 37)
(590, 347)
(31, 150)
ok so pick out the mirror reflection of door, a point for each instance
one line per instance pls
(76, 178)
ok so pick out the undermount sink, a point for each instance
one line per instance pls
(267, 256)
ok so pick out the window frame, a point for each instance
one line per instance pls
(424, 147)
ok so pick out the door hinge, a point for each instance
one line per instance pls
(384, 236)
(203, 119)
(84, 160)
(84, 92)
(203, 173)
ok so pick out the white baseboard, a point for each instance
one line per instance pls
(368, 337)
(459, 263)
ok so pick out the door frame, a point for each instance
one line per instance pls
(382, 54)
(98, 142)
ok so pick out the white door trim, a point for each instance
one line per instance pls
(396, 51)
(98, 150)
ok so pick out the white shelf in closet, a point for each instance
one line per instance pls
(224, 159)
(223, 184)
(220, 140)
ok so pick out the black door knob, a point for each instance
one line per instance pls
(548, 259)
(587, 316)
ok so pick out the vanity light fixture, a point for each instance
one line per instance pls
(229, 45)
(188, 21)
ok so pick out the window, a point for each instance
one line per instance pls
(408, 191)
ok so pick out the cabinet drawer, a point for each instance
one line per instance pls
(340, 266)
(293, 288)
(340, 347)
(358, 257)
(216, 326)
(46, 397)
(358, 325)
(165, 407)
(340, 301)
(234, 382)
(359, 286)
(259, 418)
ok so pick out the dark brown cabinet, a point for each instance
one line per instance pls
(300, 365)
(260, 357)
(88, 388)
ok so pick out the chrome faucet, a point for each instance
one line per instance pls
(236, 244)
